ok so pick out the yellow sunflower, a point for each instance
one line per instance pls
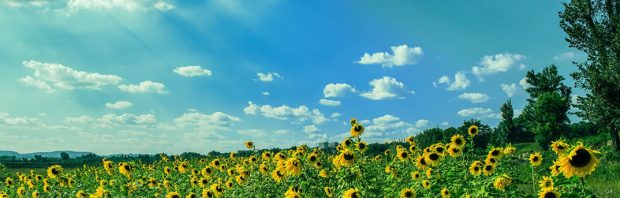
(488, 169)
(173, 195)
(473, 130)
(346, 158)
(496, 153)
(559, 147)
(445, 193)
(293, 166)
(402, 155)
(415, 175)
(455, 151)
(249, 144)
(412, 148)
(410, 140)
(580, 161)
(421, 163)
(490, 160)
(535, 159)
(545, 182)
(407, 193)
(426, 184)
(217, 189)
(433, 158)
(475, 168)
(352, 193)
(361, 146)
(555, 169)
(508, 150)
(293, 192)
(457, 140)
(323, 173)
(277, 174)
(207, 193)
(356, 130)
(54, 171)
(329, 192)
(548, 193)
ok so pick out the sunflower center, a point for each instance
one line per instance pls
(488, 168)
(439, 149)
(581, 159)
(348, 156)
(422, 161)
(495, 153)
(550, 195)
(433, 156)
(404, 155)
(535, 159)
(476, 168)
(362, 146)
(561, 147)
(357, 128)
(354, 195)
(492, 160)
(408, 194)
(54, 171)
(458, 141)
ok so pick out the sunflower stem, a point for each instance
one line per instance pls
(533, 181)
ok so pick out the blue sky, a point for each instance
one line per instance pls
(173, 76)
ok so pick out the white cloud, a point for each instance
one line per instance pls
(78, 120)
(495, 64)
(523, 83)
(119, 105)
(284, 112)
(268, 77)
(401, 55)
(281, 132)
(478, 113)
(328, 102)
(337, 90)
(163, 6)
(335, 115)
(6, 119)
(509, 89)
(52, 76)
(215, 121)
(252, 132)
(444, 123)
(145, 87)
(567, 56)
(104, 5)
(460, 82)
(113, 120)
(311, 129)
(192, 71)
(422, 123)
(474, 97)
(265, 93)
(386, 88)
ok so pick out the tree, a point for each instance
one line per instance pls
(547, 110)
(64, 156)
(593, 27)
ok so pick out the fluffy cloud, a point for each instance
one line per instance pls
(386, 88)
(52, 76)
(113, 120)
(284, 112)
(401, 55)
(268, 77)
(495, 64)
(567, 56)
(192, 71)
(119, 105)
(252, 132)
(509, 89)
(145, 87)
(78, 120)
(478, 113)
(523, 83)
(163, 6)
(422, 123)
(6, 119)
(311, 129)
(328, 102)
(214, 121)
(474, 97)
(337, 90)
(265, 93)
(460, 82)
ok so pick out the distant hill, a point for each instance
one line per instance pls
(52, 154)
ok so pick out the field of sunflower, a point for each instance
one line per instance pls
(444, 169)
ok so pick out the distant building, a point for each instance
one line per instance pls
(328, 145)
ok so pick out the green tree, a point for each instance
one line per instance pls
(547, 110)
(64, 156)
(593, 27)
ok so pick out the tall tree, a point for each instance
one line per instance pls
(593, 26)
(547, 110)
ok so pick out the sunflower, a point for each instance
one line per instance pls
(548, 193)
(54, 171)
(445, 193)
(457, 140)
(356, 130)
(8, 181)
(216, 163)
(21, 191)
(277, 174)
(535, 159)
(183, 167)
(347, 158)
(241, 179)
(439, 148)
(475, 168)
(361, 146)
(217, 189)
(491, 160)
(388, 169)
(353, 121)
(501, 182)
(421, 163)
(412, 148)
(232, 155)
(579, 161)
(108, 166)
(293, 166)
(323, 173)
(329, 192)
(346, 142)
(454, 151)
(429, 173)
(559, 147)
(207, 193)
(426, 184)
(317, 164)
(378, 158)
(249, 144)
(508, 150)
(473, 130)
(488, 169)
(433, 158)
(387, 152)
(266, 155)
(407, 193)
(35, 194)
(167, 170)
(555, 169)
(191, 195)
(173, 195)
(410, 140)
(545, 182)
(279, 156)
(352, 193)
(415, 175)
(402, 155)
(293, 192)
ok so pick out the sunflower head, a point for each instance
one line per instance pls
(361, 146)
(548, 193)
(535, 159)
(410, 140)
(249, 144)
(457, 140)
(54, 171)
(580, 161)
(445, 193)
(329, 192)
(352, 193)
(426, 184)
(473, 130)
(545, 182)
(488, 169)
(356, 130)
(173, 195)
(407, 193)
(559, 147)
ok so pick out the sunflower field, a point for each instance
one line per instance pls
(444, 169)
